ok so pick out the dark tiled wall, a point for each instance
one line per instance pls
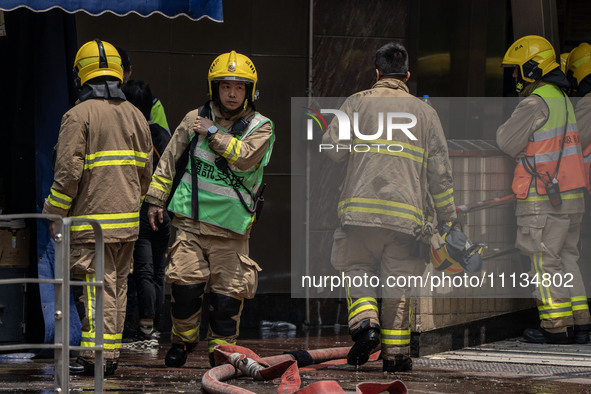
(346, 36)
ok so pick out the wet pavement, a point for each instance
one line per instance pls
(503, 367)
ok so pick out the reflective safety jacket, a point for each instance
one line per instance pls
(103, 168)
(515, 135)
(218, 201)
(157, 114)
(393, 182)
(543, 151)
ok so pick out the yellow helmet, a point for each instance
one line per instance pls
(563, 59)
(97, 59)
(443, 262)
(233, 66)
(578, 64)
(534, 55)
(452, 252)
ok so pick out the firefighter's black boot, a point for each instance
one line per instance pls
(582, 333)
(367, 338)
(177, 355)
(86, 368)
(539, 335)
(110, 367)
(81, 367)
(401, 363)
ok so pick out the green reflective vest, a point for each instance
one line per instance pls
(219, 203)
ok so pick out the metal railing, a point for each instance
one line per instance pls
(62, 283)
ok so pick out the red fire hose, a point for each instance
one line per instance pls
(286, 367)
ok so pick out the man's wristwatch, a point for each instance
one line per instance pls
(211, 131)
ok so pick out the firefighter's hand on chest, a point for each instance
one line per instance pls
(201, 125)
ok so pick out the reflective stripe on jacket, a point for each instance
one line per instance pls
(544, 147)
(219, 203)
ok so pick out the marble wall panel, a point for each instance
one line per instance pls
(360, 18)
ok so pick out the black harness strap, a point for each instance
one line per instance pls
(181, 166)
(531, 168)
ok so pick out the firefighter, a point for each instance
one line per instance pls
(102, 170)
(228, 145)
(548, 182)
(386, 200)
(578, 72)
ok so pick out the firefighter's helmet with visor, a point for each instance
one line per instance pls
(453, 253)
(233, 66)
(534, 56)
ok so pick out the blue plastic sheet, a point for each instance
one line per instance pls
(192, 9)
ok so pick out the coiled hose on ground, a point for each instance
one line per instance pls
(241, 361)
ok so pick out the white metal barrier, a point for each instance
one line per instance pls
(62, 283)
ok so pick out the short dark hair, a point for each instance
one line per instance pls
(139, 94)
(392, 60)
(125, 60)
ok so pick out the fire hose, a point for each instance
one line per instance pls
(240, 361)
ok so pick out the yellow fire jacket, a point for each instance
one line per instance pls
(397, 183)
(103, 168)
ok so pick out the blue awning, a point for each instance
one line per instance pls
(192, 9)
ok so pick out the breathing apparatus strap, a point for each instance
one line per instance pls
(181, 166)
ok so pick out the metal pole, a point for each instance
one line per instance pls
(99, 267)
(309, 93)
(62, 310)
